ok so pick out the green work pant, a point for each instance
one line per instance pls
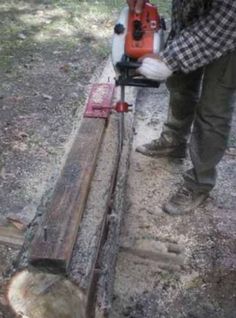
(200, 110)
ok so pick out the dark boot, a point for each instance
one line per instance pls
(184, 201)
(162, 148)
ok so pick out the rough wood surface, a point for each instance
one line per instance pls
(53, 243)
(10, 235)
(108, 255)
(82, 269)
(43, 295)
(166, 256)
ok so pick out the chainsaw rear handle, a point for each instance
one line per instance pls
(136, 82)
(130, 65)
(125, 79)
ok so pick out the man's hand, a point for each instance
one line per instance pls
(136, 5)
(154, 68)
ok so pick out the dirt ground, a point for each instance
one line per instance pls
(47, 61)
(194, 272)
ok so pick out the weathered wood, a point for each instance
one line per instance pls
(11, 236)
(90, 238)
(168, 255)
(53, 244)
(109, 252)
(82, 272)
(43, 295)
(99, 199)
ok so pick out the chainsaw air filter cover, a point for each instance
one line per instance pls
(136, 35)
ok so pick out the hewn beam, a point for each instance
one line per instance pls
(53, 244)
(11, 236)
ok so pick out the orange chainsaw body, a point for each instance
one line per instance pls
(141, 31)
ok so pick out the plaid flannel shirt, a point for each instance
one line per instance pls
(202, 31)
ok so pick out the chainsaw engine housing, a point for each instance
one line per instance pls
(136, 35)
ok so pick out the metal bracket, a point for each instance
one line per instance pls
(99, 103)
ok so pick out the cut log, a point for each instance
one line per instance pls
(53, 244)
(84, 266)
(169, 256)
(84, 259)
(10, 235)
(41, 295)
(109, 252)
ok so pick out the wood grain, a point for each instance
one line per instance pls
(53, 243)
(10, 235)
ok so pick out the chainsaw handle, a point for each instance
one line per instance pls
(124, 65)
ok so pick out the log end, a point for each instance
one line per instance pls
(40, 295)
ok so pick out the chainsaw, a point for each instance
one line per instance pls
(135, 35)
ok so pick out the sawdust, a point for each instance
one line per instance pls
(205, 286)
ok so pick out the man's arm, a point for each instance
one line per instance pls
(204, 41)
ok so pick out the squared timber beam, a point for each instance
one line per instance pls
(53, 244)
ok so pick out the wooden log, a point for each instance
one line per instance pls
(49, 241)
(169, 256)
(10, 235)
(46, 289)
(83, 271)
(108, 254)
(43, 295)
(53, 243)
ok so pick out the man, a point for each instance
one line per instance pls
(199, 64)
